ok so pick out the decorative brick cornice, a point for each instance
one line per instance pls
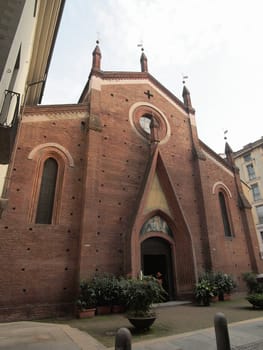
(80, 107)
(119, 75)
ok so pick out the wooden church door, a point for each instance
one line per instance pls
(156, 257)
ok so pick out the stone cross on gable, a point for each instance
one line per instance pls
(148, 93)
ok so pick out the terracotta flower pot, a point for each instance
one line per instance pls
(117, 309)
(104, 310)
(227, 296)
(88, 313)
(214, 299)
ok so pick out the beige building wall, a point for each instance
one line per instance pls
(27, 33)
(14, 75)
(250, 163)
(15, 65)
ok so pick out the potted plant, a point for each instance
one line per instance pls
(255, 288)
(224, 284)
(103, 287)
(86, 301)
(141, 294)
(230, 285)
(204, 290)
(254, 284)
(256, 299)
(119, 295)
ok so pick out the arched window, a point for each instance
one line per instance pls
(224, 213)
(47, 192)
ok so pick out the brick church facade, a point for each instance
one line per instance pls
(117, 183)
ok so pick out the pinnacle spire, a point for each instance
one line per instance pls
(144, 63)
(96, 57)
(228, 149)
(187, 98)
(229, 156)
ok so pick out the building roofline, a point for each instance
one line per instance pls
(215, 155)
(111, 75)
(248, 147)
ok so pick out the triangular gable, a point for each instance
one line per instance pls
(156, 197)
(171, 197)
(157, 193)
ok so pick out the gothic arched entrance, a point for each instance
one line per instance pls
(156, 256)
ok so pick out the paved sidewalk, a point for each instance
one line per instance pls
(45, 336)
(245, 335)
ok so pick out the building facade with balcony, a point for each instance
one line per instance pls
(249, 160)
(28, 31)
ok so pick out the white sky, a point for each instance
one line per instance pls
(217, 43)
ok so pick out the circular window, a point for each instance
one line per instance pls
(144, 116)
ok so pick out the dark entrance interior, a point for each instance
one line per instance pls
(156, 257)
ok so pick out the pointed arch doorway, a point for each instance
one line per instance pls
(156, 256)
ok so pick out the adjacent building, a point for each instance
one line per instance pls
(250, 163)
(28, 31)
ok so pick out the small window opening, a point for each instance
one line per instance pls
(224, 214)
(47, 192)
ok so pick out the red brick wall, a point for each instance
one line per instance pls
(99, 197)
(229, 255)
(40, 262)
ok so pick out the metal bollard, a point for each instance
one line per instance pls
(221, 331)
(123, 339)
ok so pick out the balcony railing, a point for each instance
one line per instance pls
(10, 108)
(8, 124)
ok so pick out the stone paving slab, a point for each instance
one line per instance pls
(197, 340)
(245, 335)
(35, 337)
(251, 346)
(248, 334)
(45, 336)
